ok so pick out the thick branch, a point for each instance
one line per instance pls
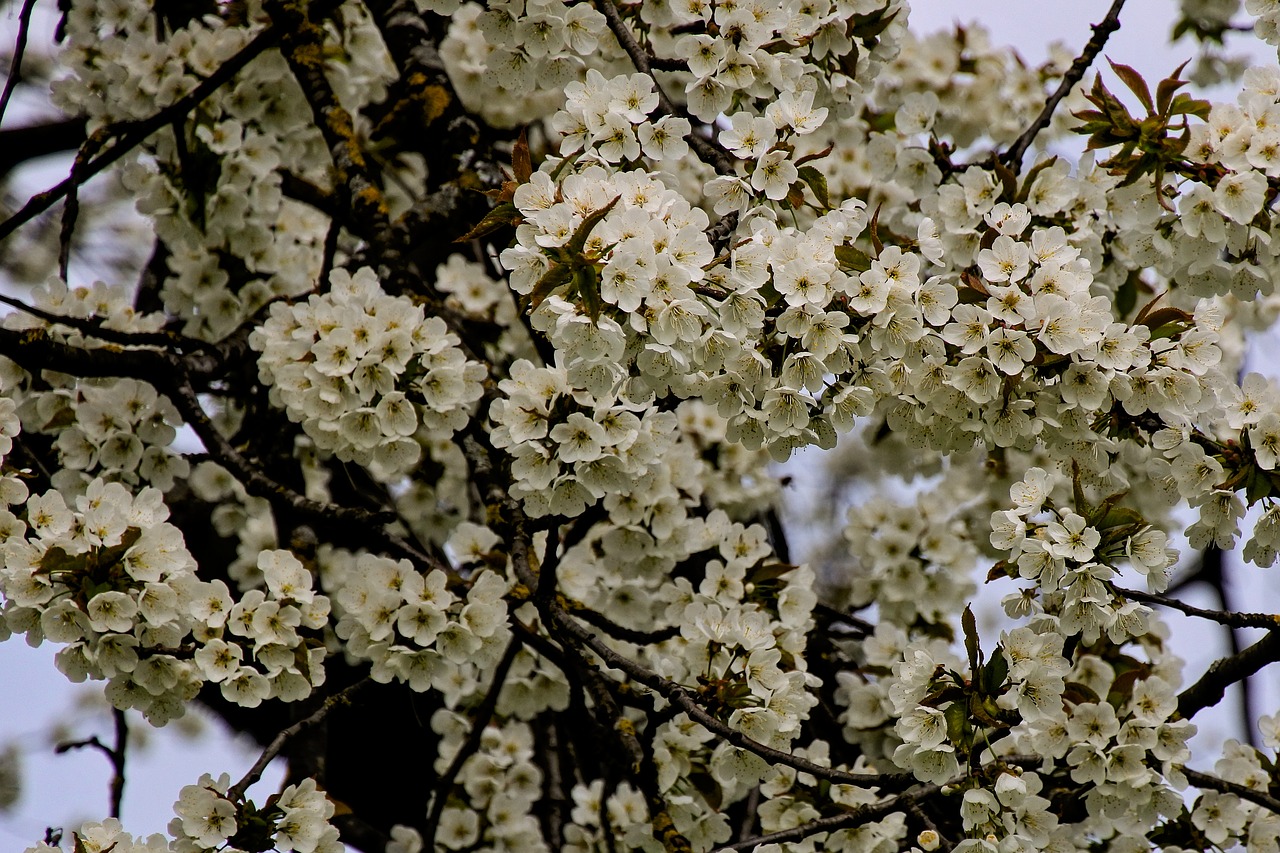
(1101, 32)
(20, 144)
(36, 350)
(303, 48)
(1224, 672)
(1213, 783)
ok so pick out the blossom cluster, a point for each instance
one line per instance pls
(362, 371)
(113, 581)
(413, 628)
(296, 819)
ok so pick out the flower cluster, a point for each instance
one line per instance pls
(363, 371)
(1071, 563)
(113, 581)
(413, 628)
(296, 819)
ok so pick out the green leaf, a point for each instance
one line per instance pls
(969, 625)
(852, 259)
(1184, 104)
(995, 672)
(1131, 78)
(559, 274)
(579, 238)
(502, 215)
(959, 729)
(817, 183)
(1166, 87)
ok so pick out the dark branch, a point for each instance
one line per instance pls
(1213, 783)
(14, 76)
(130, 134)
(1222, 617)
(484, 714)
(1101, 32)
(342, 697)
(1224, 672)
(20, 144)
(707, 151)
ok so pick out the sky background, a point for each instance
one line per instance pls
(34, 697)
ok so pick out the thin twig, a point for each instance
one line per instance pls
(705, 149)
(484, 713)
(342, 697)
(19, 50)
(115, 755)
(370, 525)
(1101, 32)
(1223, 617)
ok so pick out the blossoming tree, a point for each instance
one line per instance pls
(484, 324)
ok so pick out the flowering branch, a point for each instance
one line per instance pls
(360, 522)
(131, 134)
(856, 816)
(483, 714)
(1101, 32)
(681, 697)
(707, 151)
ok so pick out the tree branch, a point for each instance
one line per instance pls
(707, 151)
(130, 134)
(681, 697)
(116, 755)
(854, 817)
(342, 697)
(20, 144)
(14, 77)
(1213, 783)
(1222, 617)
(1101, 32)
(1224, 672)
(484, 713)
